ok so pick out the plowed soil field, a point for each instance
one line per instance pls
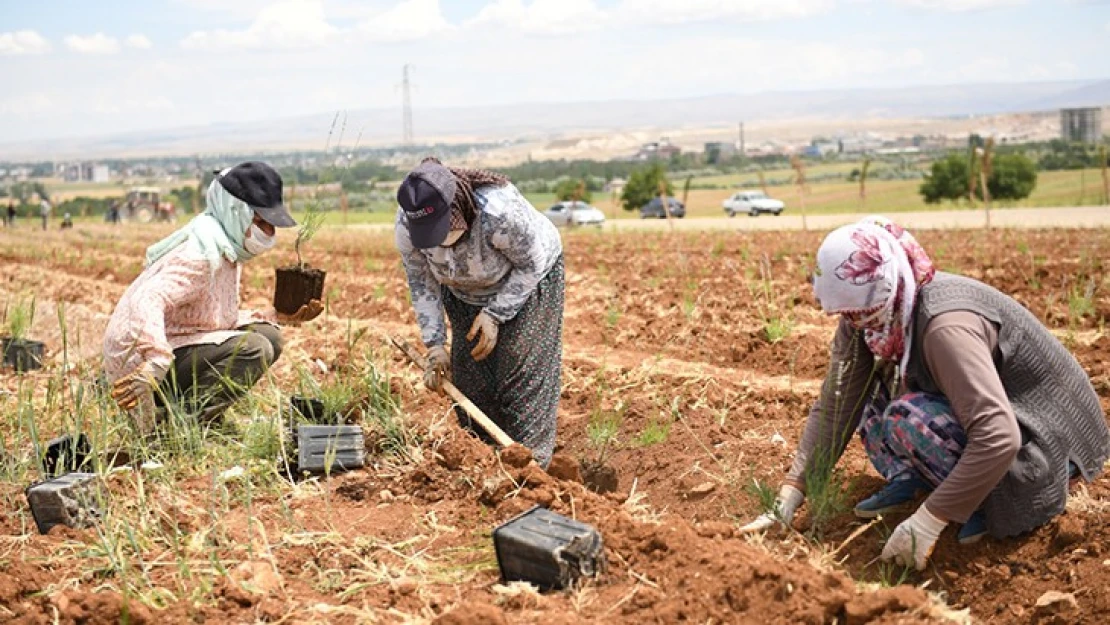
(690, 362)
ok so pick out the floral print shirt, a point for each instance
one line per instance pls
(178, 301)
(496, 265)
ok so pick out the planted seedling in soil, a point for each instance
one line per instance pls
(299, 284)
(602, 433)
(20, 352)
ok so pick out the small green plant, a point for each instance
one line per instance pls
(602, 430)
(775, 329)
(19, 317)
(310, 224)
(656, 432)
(1081, 302)
(613, 315)
(763, 493)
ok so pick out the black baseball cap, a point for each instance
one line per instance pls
(259, 185)
(426, 196)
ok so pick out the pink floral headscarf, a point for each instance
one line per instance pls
(870, 272)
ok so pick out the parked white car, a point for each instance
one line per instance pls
(574, 214)
(753, 203)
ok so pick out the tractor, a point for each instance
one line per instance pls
(144, 205)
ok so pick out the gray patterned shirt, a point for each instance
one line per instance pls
(510, 247)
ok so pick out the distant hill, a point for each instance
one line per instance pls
(540, 120)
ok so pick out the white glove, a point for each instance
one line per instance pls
(786, 504)
(437, 368)
(913, 540)
(485, 328)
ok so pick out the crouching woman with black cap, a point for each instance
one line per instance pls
(473, 246)
(178, 334)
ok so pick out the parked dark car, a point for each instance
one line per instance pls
(654, 209)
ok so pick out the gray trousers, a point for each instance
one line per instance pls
(207, 379)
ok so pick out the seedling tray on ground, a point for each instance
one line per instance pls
(67, 500)
(330, 448)
(547, 549)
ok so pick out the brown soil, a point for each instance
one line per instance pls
(707, 347)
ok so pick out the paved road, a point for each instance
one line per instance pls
(1063, 217)
(1070, 217)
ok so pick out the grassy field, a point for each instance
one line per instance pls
(1058, 188)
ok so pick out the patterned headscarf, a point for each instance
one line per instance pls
(870, 272)
(217, 233)
(465, 207)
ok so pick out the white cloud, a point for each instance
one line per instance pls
(289, 24)
(98, 43)
(139, 42)
(984, 68)
(673, 12)
(23, 42)
(960, 6)
(409, 20)
(543, 17)
(27, 105)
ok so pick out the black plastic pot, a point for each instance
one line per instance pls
(297, 286)
(309, 408)
(22, 354)
(65, 454)
(547, 549)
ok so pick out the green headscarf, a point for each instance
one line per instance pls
(217, 233)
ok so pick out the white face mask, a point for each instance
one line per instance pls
(258, 242)
(452, 238)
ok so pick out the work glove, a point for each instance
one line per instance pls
(485, 329)
(437, 368)
(308, 312)
(786, 504)
(134, 394)
(913, 540)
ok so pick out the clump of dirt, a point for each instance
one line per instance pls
(472, 614)
(100, 608)
(564, 467)
(516, 456)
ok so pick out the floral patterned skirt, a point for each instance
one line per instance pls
(518, 385)
(915, 434)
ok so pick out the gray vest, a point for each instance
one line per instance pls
(1056, 407)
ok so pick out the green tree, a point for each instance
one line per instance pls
(1013, 177)
(573, 189)
(947, 180)
(643, 185)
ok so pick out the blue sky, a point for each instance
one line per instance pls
(71, 68)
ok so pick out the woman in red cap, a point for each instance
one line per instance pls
(177, 336)
(474, 246)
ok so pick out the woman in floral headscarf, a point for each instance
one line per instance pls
(954, 389)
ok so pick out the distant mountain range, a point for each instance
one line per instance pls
(540, 120)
